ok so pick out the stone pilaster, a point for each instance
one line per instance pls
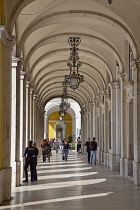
(18, 146)
(106, 129)
(83, 127)
(91, 120)
(7, 43)
(122, 79)
(34, 117)
(136, 163)
(115, 118)
(31, 114)
(22, 141)
(45, 125)
(118, 123)
(27, 113)
(94, 118)
(13, 121)
(99, 129)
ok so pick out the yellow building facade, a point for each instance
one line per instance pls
(54, 124)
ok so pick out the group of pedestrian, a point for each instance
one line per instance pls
(91, 150)
(30, 155)
(59, 145)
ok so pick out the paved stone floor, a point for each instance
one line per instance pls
(75, 184)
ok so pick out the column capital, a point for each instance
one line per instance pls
(34, 96)
(27, 84)
(114, 85)
(22, 74)
(105, 92)
(92, 102)
(6, 38)
(122, 77)
(137, 63)
(15, 61)
(31, 90)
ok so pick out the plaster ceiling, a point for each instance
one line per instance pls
(42, 29)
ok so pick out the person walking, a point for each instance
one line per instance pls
(87, 144)
(35, 175)
(61, 142)
(78, 145)
(56, 144)
(47, 151)
(66, 150)
(43, 145)
(93, 148)
(30, 155)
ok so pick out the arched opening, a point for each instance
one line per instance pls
(67, 128)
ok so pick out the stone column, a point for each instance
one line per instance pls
(106, 128)
(136, 163)
(6, 45)
(37, 125)
(100, 131)
(83, 128)
(86, 117)
(27, 113)
(22, 145)
(94, 118)
(45, 125)
(18, 146)
(91, 120)
(82, 125)
(113, 127)
(123, 124)
(13, 121)
(118, 123)
(34, 117)
(31, 114)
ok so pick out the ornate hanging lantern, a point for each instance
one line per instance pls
(74, 78)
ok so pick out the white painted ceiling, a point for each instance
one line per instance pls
(42, 29)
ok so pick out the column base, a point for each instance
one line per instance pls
(99, 155)
(106, 159)
(122, 166)
(18, 173)
(13, 165)
(117, 166)
(5, 184)
(102, 157)
(112, 162)
(136, 173)
(128, 168)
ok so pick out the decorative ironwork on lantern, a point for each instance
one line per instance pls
(74, 78)
(64, 105)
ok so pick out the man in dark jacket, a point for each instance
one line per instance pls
(93, 148)
(87, 144)
(30, 155)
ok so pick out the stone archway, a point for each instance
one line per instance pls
(57, 133)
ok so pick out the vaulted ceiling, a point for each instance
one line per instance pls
(42, 29)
